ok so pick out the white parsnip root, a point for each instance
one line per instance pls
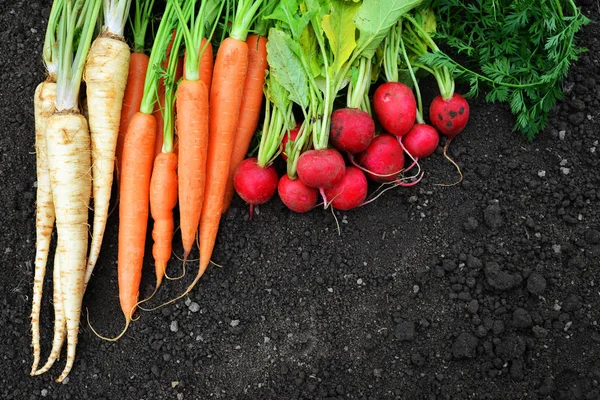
(59, 318)
(44, 106)
(105, 74)
(69, 162)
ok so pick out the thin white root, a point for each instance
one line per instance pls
(105, 75)
(59, 319)
(44, 107)
(69, 161)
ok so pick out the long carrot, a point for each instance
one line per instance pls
(134, 194)
(252, 100)
(229, 76)
(138, 156)
(138, 65)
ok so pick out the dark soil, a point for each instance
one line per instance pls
(485, 290)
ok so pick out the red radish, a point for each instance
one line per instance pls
(296, 195)
(383, 159)
(351, 130)
(449, 116)
(286, 138)
(395, 106)
(321, 169)
(421, 141)
(255, 184)
(350, 192)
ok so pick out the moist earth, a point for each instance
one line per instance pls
(484, 290)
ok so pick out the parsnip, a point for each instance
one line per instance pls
(105, 75)
(69, 162)
(59, 318)
(44, 106)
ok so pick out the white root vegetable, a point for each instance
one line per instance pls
(105, 74)
(44, 106)
(59, 318)
(69, 162)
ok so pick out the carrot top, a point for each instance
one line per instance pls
(244, 16)
(193, 34)
(139, 25)
(157, 57)
(69, 65)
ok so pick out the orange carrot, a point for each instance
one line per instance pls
(250, 109)
(229, 76)
(138, 65)
(192, 131)
(163, 198)
(138, 154)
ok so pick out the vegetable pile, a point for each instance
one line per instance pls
(308, 99)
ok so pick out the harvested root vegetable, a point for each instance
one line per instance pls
(350, 192)
(383, 160)
(297, 196)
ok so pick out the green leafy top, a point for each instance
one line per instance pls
(521, 50)
(70, 64)
(140, 22)
(50, 50)
(157, 57)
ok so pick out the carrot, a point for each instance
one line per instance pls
(69, 163)
(252, 100)
(164, 181)
(134, 192)
(192, 125)
(230, 70)
(138, 65)
(138, 157)
(163, 198)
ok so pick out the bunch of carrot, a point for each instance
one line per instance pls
(186, 133)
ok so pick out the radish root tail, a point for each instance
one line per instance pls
(453, 163)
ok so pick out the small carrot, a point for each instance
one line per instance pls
(138, 65)
(250, 108)
(164, 181)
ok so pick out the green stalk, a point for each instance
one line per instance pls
(419, 118)
(70, 69)
(157, 56)
(243, 18)
(140, 22)
(115, 16)
(50, 50)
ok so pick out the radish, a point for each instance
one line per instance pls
(321, 169)
(293, 134)
(449, 115)
(255, 184)
(296, 195)
(383, 160)
(350, 192)
(421, 141)
(351, 130)
(395, 106)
